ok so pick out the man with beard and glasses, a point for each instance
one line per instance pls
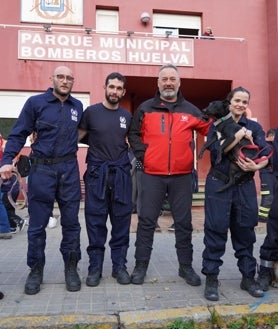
(54, 174)
(108, 186)
(161, 137)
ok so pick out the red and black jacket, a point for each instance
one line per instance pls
(161, 135)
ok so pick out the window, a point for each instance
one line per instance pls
(179, 25)
(11, 103)
(107, 20)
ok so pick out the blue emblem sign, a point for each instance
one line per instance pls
(52, 5)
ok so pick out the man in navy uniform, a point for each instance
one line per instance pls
(54, 116)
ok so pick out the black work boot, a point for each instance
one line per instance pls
(251, 286)
(93, 278)
(139, 272)
(189, 275)
(211, 288)
(122, 276)
(72, 279)
(34, 280)
(264, 277)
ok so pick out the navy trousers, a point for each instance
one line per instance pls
(234, 209)
(45, 184)
(269, 249)
(97, 209)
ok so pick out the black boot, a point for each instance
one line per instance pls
(190, 276)
(34, 280)
(264, 277)
(122, 276)
(72, 279)
(119, 260)
(211, 288)
(93, 278)
(95, 268)
(139, 272)
(251, 286)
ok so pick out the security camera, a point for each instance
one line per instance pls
(145, 17)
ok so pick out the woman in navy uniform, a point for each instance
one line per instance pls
(233, 209)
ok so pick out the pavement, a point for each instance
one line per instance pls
(163, 297)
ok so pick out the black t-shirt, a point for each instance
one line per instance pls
(107, 130)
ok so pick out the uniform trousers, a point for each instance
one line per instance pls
(269, 248)
(97, 209)
(234, 209)
(45, 184)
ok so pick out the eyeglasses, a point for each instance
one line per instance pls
(62, 77)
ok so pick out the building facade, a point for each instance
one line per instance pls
(95, 38)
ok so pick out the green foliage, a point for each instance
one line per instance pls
(217, 322)
(249, 322)
(215, 319)
(272, 321)
(235, 324)
(87, 326)
(180, 324)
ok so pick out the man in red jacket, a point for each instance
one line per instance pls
(161, 137)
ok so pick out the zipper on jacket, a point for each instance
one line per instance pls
(170, 142)
(163, 124)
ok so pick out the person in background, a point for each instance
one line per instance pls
(235, 209)
(54, 174)
(268, 182)
(16, 222)
(5, 228)
(208, 34)
(108, 186)
(161, 137)
(269, 248)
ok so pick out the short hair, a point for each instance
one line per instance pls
(167, 66)
(270, 132)
(235, 90)
(115, 75)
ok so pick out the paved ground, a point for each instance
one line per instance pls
(164, 296)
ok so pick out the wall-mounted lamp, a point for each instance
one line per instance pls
(168, 33)
(129, 33)
(145, 18)
(47, 27)
(88, 30)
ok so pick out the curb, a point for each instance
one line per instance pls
(59, 321)
(162, 318)
(140, 319)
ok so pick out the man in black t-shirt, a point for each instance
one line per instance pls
(108, 187)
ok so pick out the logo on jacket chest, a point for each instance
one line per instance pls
(123, 122)
(74, 115)
(184, 118)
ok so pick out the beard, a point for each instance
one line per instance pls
(58, 91)
(112, 101)
(168, 94)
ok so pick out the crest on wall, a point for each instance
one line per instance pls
(52, 11)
